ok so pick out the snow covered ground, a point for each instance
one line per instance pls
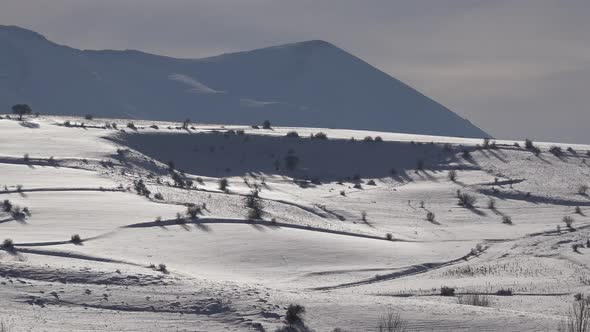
(344, 228)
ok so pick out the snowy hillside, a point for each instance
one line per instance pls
(338, 225)
(312, 83)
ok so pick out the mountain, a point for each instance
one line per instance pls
(308, 84)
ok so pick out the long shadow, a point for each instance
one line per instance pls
(26, 190)
(260, 152)
(409, 271)
(534, 199)
(6, 220)
(497, 156)
(268, 224)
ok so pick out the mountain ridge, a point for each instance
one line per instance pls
(311, 84)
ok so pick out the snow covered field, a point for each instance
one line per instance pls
(344, 228)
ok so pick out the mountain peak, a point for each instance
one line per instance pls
(21, 33)
(310, 83)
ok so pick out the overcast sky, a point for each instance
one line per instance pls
(516, 68)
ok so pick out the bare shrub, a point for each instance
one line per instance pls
(430, 216)
(474, 299)
(507, 220)
(6, 206)
(504, 292)
(76, 239)
(556, 151)
(8, 245)
(193, 211)
(467, 200)
(452, 175)
(162, 268)
(391, 321)
(141, 188)
(447, 291)
(294, 314)
(569, 222)
(319, 135)
(223, 184)
(492, 204)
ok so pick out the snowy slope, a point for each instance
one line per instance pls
(312, 83)
(312, 246)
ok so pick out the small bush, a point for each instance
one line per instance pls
(452, 175)
(223, 184)
(391, 321)
(389, 236)
(141, 189)
(492, 204)
(162, 268)
(378, 139)
(467, 200)
(507, 220)
(294, 314)
(504, 292)
(466, 154)
(568, 222)
(474, 299)
(368, 139)
(430, 216)
(583, 190)
(320, 135)
(556, 151)
(131, 126)
(26, 158)
(371, 183)
(75, 239)
(158, 196)
(8, 245)
(154, 127)
(292, 134)
(357, 186)
(193, 211)
(447, 291)
(88, 117)
(6, 206)
(266, 124)
(528, 144)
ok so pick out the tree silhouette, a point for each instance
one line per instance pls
(21, 109)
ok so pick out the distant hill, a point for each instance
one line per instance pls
(306, 84)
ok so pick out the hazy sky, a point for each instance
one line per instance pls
(516, 68)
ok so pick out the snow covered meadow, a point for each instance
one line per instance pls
(157, 226)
